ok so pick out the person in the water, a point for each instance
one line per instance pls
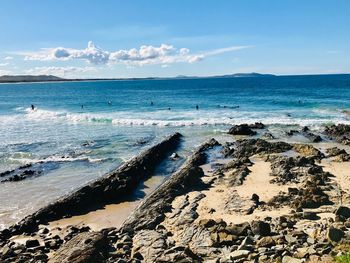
(152, 103)
(197, 107)
(33, 107)
(82, 106)
(109, 103)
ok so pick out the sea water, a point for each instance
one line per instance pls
(81, 130)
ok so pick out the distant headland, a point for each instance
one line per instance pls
(52, 78)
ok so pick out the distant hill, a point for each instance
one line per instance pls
(44, 78)
(28, 78)
(246, 75)
(236, 75)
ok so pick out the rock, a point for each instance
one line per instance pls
(343, 213)
(308, 150)
(268, 136)
(255, 198)
(114, 184)
(310, 215)
(340, 133)
(257, 125)
(246, 243)
(238, 254)
(242, 129)
(84, 247)
(149, 244)
(248, 147)
(260, 228)
(288, 259)
(335, 234)
(32, 243)
(174, 156)
(266, 242)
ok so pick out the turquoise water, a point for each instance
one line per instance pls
(81, 144)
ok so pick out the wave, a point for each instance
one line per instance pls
(213, 117)
(56, 159)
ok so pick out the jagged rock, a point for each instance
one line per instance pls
(113, 185)
(335, 234)
(150, 244)
(151, 211)
(249, 147)
(308, 150)
(242, 129)
(260, 228)
(83, 248)
(340, 133)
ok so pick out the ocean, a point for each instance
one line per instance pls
(75, 144)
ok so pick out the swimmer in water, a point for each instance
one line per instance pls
(169, 108)
(152, 103)
(33, 107)
(197, 107)
(82, 106)
(109, 103)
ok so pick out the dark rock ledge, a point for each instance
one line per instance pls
(104, 190)
(151, 211)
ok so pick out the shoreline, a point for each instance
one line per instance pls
(230, 200)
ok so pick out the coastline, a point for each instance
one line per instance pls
(242, 200)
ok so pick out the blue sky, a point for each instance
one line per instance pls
(170, 38)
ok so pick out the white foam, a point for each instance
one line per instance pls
(176, 118)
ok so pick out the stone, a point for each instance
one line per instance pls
(238, 254)
(32, 243)
(84, 247)
(288, 259)
(260, 228)
(335, 234)
(310, 215)
(266, 242)
(343, 213)
(242, 129)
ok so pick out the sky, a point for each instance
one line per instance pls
(151, 38)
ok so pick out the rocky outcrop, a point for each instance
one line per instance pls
(250, 147)
(151, 211)
(107, 189)
(339, 133)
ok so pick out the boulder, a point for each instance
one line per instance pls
(335, 234)
(343, 213)
(242, 129)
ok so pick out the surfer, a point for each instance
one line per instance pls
(82, 106)
(152, 103)
(33, 107)
(197, 107)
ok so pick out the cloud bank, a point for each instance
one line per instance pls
(59, 71)
(145, 55)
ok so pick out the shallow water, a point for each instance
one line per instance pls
(84, 143)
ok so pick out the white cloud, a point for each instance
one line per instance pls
(59, 71)
(5, 72)
(145, 55)
(8, 58)
(4, 64)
